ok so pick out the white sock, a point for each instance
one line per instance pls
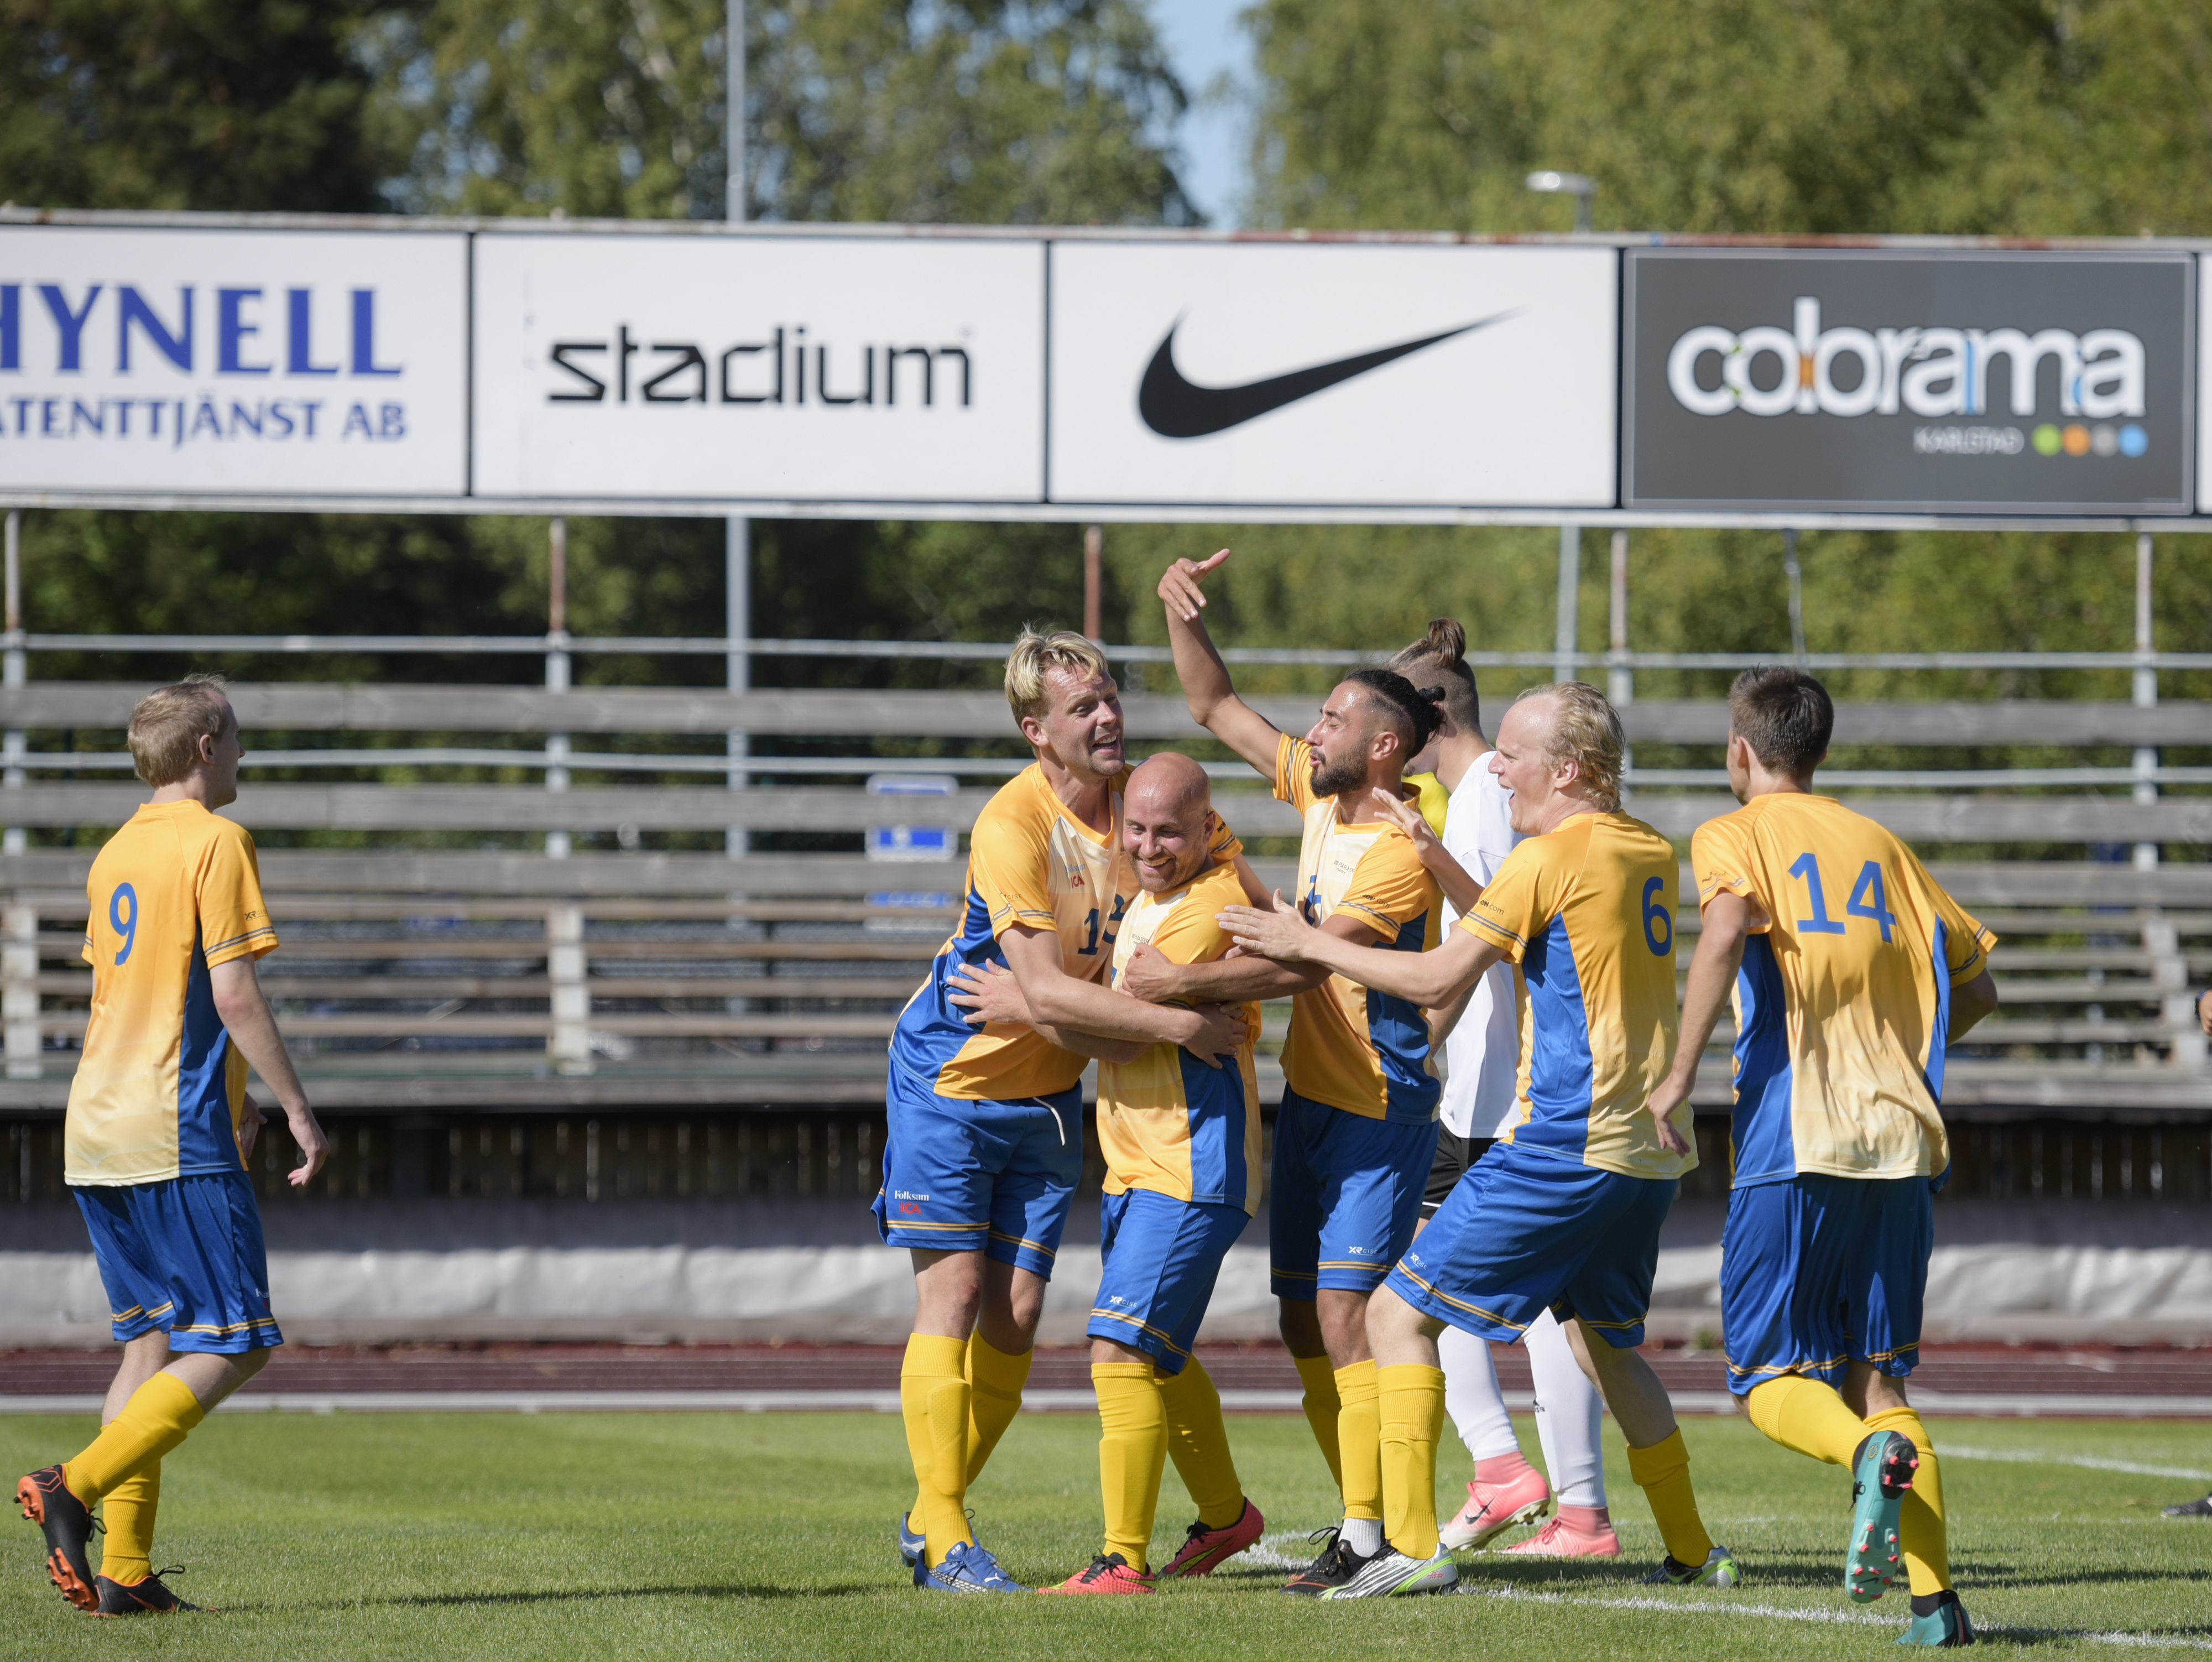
(1363, 1536)
(1472, 1397)
(1568, 1412)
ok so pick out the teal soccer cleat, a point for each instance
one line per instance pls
(1942, 1628)
(1881, 1473)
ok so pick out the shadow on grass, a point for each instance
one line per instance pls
(578, 1595)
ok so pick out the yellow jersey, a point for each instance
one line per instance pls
(160, 1087)
(1844, 1000)
(1168, 1122)
(1031, 863)
(1360, 1050)
(1585, 915)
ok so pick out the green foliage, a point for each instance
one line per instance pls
(247, 104)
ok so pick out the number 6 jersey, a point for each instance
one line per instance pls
(1844, 996)
(160, 1087)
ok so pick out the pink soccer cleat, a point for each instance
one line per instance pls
(1492, 1509)
(1560, 1538)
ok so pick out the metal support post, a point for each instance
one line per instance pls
(13, 840)
(1570, 577)
(19, 991)
(569, 1044)
(1796, 575)
(557, 673)
(2146, 694)
(1094, 611)
(1621, 682)
(738, 626)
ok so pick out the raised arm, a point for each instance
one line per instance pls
(1429, 979)
(1720, 937)
(246, 1016)
(1213, 702)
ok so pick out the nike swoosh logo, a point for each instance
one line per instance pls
(1175, 408)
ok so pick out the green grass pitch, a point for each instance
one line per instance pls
(510, 1537)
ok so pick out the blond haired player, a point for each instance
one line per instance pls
(1181, 1145)
(1357, 1128)
(157, 1137)
(985, 1141)
(1852, 970)
(1564, 1213)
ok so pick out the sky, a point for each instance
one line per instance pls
(1203, 41)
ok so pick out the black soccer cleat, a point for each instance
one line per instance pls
(2198, 1508)
(1335, 1567)
(147, 1596)
(47, 1501)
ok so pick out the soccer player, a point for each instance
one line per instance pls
(1181, 1144)
(1356, 1128)
(985, 1142)
(1851, 972)
(158, 1134)
(1482, 1053)
(1564, 1212)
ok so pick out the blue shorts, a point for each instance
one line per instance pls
(1525, 1232)
(962, 1175)
(1818, 1271)
(184, 1258)
(1342, 1197)
(1161, 1256)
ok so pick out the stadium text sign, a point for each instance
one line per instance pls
(233, 363)
(2014, 381)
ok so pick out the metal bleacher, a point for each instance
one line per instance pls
(648, 1020)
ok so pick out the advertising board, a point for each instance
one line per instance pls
(2006, 381)
(235, 362)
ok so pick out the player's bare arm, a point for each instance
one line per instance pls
(1970, 1003)
(1058, 999)
(1429, 979)
(1151, 975)
(1454, 880)
(991, 996)
(251, 1026)
(1213, 702)
(1727, 925)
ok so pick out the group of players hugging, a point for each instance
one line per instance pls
(1484, 1120)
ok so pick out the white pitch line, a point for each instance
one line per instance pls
(2036, 1456)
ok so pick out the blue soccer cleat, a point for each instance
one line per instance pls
(1943, 1627)
(1881, 1473)
(966, 1568)
(910, 1541)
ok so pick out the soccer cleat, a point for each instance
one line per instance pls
(1391, 1572)
(1204, 1550)
(1560, 1539)
(1108, 1572)
(1493, 1509)
(1719, 1570)
(1337, 1564)
(1881, 1472)
(1945, 1626)
(144, 1596)
(911, 1541)
(966, 1568)
(46, 1501)
(2202, 1508)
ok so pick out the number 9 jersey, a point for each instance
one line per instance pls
(160, 1087)
(1844, 1000)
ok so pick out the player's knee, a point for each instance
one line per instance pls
(247, 1363)
(1300, 1327)
(1392, 1323)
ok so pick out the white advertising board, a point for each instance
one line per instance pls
(233, 363)
(1189, 373)
(721, 369)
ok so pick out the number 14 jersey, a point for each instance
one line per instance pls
(1844, 1000)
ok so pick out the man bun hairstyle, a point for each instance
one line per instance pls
(1440, 656)
(1036, 656)
(1784, 716)
(168, 723)
(1586, 730)
(1414, 708)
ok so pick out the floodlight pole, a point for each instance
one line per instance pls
(2146, 694)
(1796, 575)
(1571, 578)
(736, 554)
(13, 840)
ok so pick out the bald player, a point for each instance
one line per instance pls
(1181, 1145)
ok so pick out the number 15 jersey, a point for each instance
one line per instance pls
(1844, 1000)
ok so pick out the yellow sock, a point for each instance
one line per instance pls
(1200, 1443)
(933, 1399)
(1359, 1440)
(1322, 1409)
(1132, 1447)
(1920, 1526)
(128, 1512)
(1808, 1416)
(1411, 1399)
(997, 1380)
(155, 1419)
(1662, 1472)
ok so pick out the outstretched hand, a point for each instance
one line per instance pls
(1180, 586)
(1280, 933)
(1415, 824)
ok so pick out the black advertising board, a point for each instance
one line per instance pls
(1937, 380)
